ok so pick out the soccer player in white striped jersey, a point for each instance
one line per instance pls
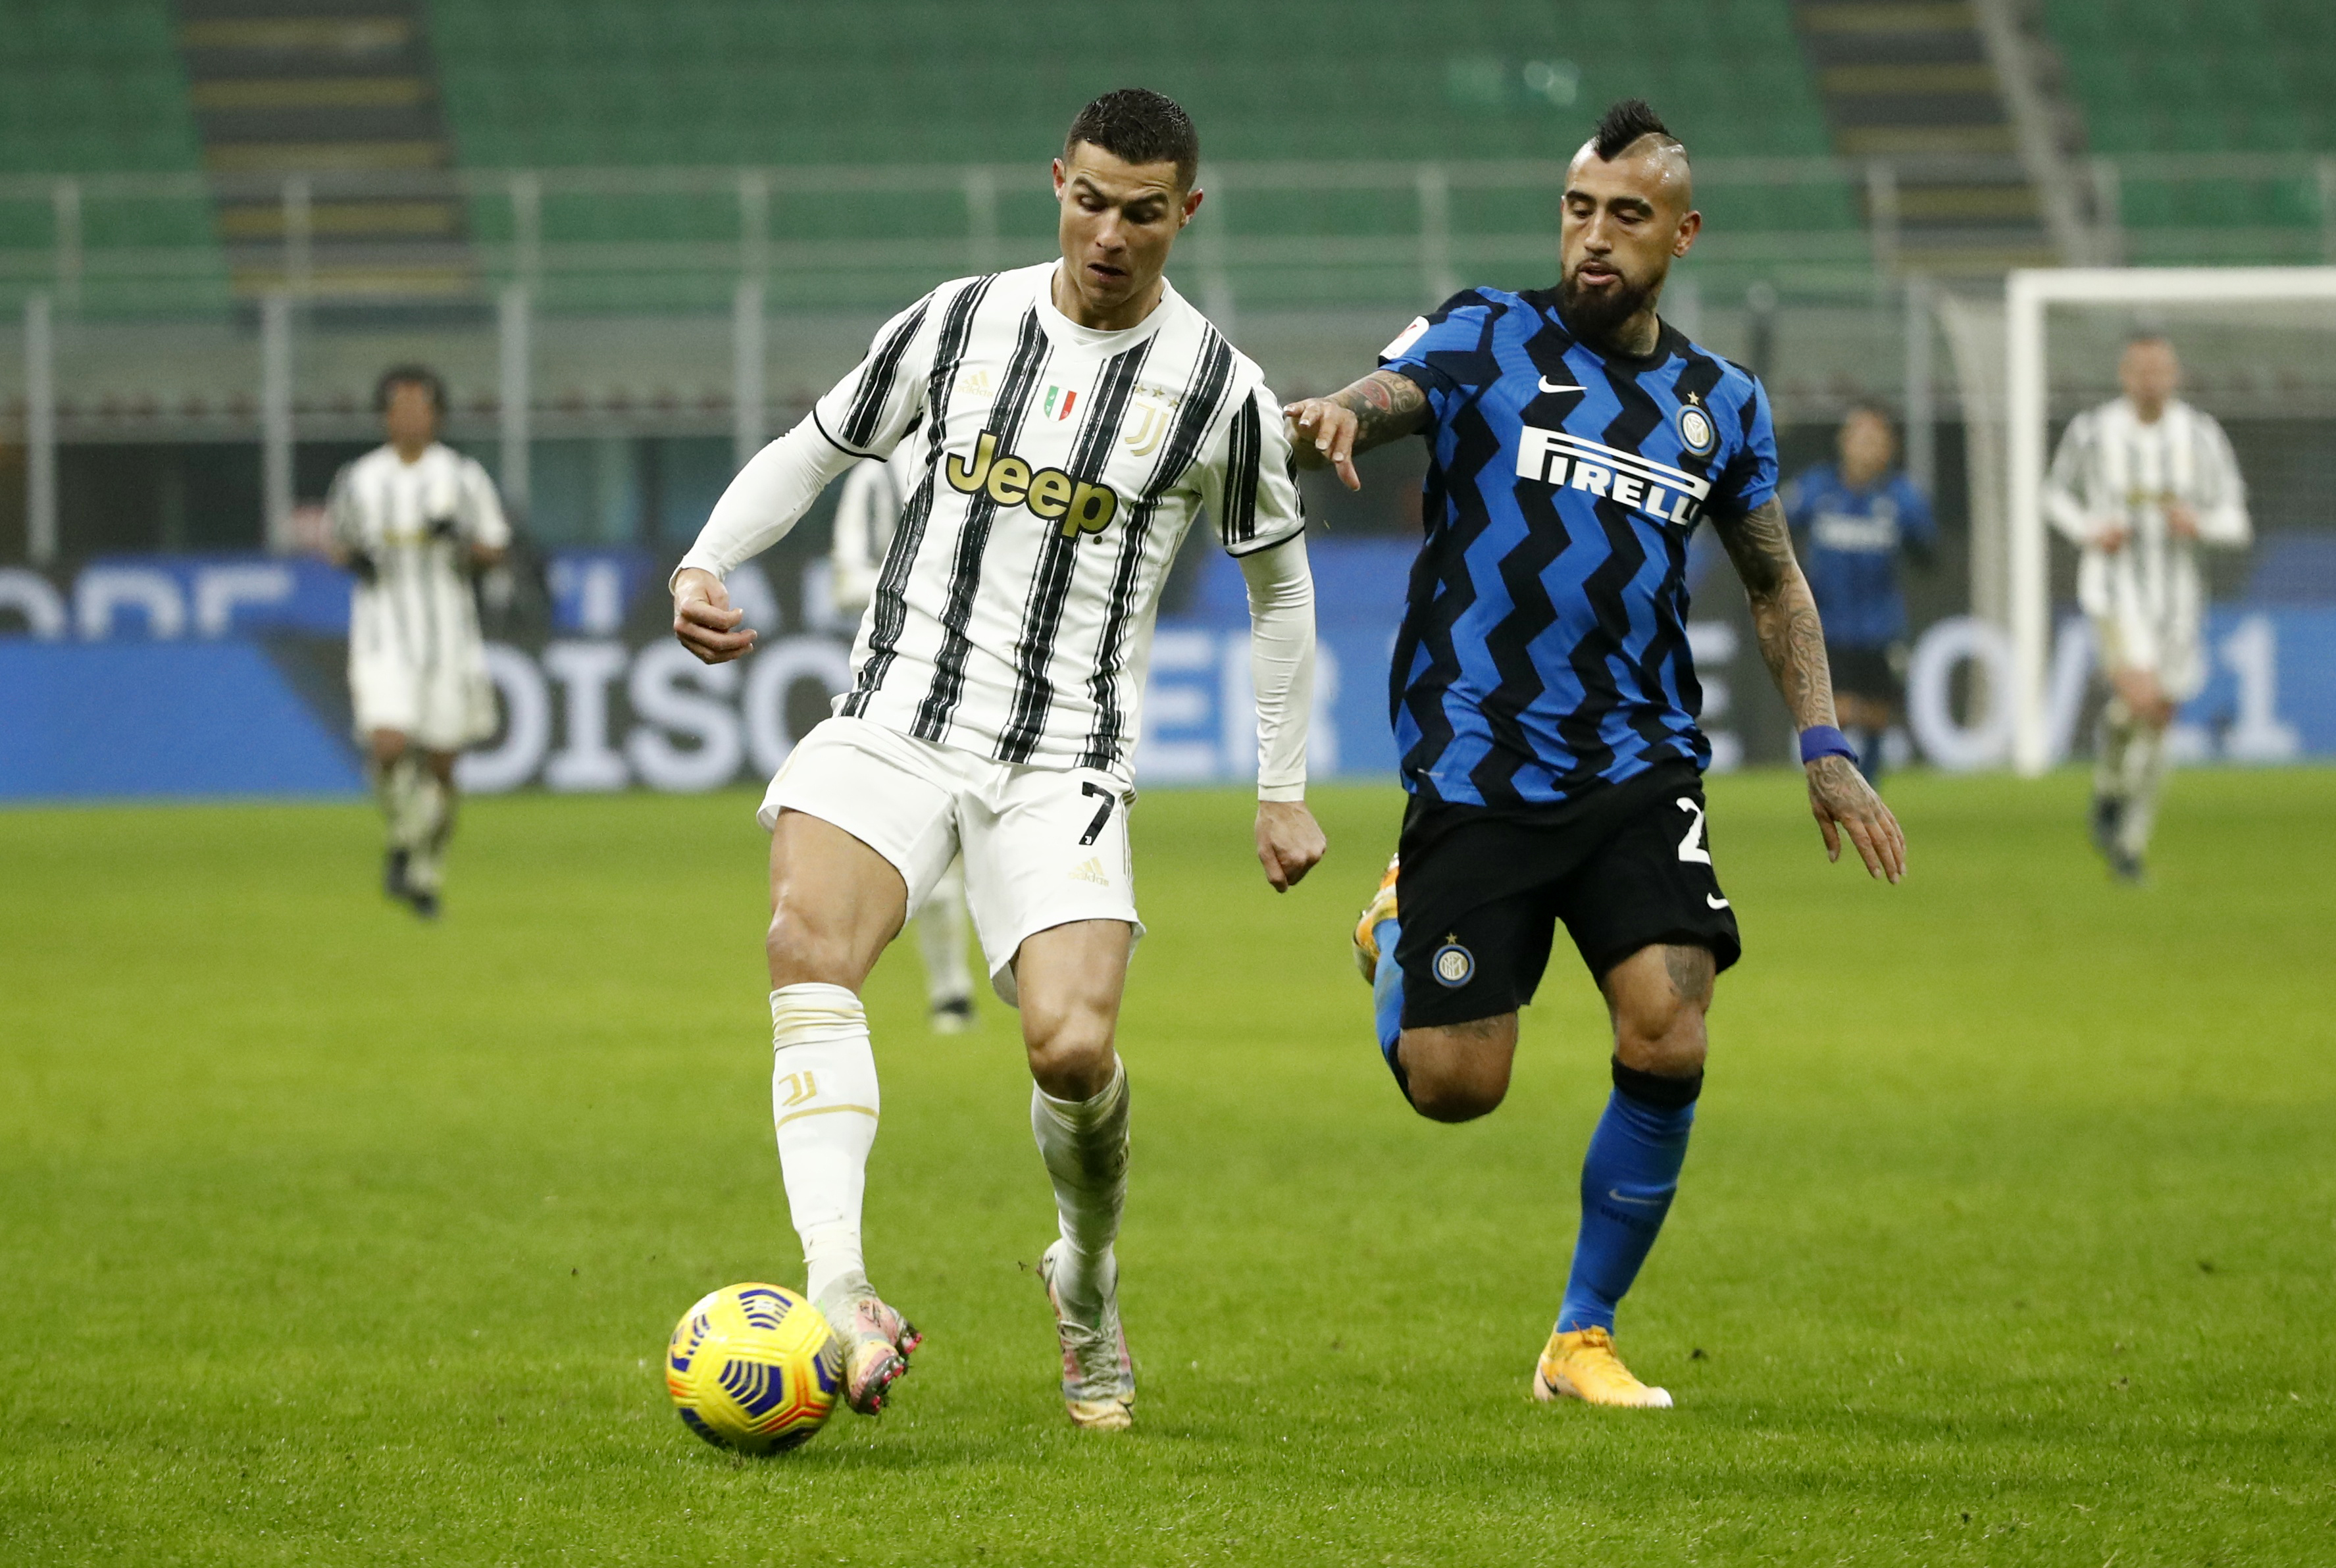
(413, 520)
(1075, 417)
(2139, 485)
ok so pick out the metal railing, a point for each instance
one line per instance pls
(525, 254)
(808, 232)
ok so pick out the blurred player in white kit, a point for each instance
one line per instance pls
(414, 520)
(867, 515)
(2139, 485)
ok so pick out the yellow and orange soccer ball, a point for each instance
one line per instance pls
(753, 1367)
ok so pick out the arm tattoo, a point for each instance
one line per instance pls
(1784, 613)
(1385, 406)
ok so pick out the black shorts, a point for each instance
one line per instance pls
(1864, 672)
(1480, 891)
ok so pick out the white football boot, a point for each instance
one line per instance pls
(1098, 1374)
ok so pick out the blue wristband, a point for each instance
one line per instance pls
(1824, 740)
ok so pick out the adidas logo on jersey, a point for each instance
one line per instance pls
(1567, 462)
(1090, 871)
(1080, 506)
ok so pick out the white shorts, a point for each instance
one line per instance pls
(443, 709)
(2170, 652)
(1043, 846)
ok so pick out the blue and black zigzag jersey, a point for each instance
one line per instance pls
(1544, 650)
(1850, 543)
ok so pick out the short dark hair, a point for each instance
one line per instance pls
(1138, 125)
(1626, 120)
(398, 375)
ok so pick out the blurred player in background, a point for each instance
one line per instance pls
(1544, 698)
(2139, 485)
(1075, 418)
(413, 521)
(867, 515)
(1858, 516)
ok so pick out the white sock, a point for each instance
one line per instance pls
(2111, 741)
(940, 941)
(1085, 1144)
(823, 1103)
(395, 784)
(2143, 769)
(431, 823)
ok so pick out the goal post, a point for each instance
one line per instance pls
(2029, 295)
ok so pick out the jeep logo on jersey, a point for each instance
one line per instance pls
(1050, 493)
(1569, 462)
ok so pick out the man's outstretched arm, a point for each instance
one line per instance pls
(1328, 432)
(1282, 670)
(1792, 640)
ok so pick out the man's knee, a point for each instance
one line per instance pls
(1461, 1072)
(802, 952)
(1069, 978)
(1658, 996)
(1070, 1049)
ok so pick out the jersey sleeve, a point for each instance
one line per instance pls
(1448, 351)
(1795, 495)
(1916, 521)
(2065, 501)
(1248, 477)
(1749, 477)
(2223, 491)
(481, 516)
(343, 516)
(869, 411)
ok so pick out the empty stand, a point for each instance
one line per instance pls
(2165, 85)
(294, 97)
(1911, 82)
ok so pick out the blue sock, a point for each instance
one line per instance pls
(1387, 1000)
(1627, 1179)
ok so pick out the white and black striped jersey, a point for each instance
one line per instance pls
(2111, 465)
(1061, 467)
(410, 527)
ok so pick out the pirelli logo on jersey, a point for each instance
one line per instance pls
(1569, 462)
(1081, 507)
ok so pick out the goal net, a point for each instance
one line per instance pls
(2257, 348)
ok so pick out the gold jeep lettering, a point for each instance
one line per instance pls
(1049, 494)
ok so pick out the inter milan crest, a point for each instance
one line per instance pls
(1455, 965)
(1696, 432)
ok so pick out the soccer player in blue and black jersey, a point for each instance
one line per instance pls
(1545, 703)
(1858, 516)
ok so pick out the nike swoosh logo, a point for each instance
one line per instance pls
(1642, 1202)
(1715, 901)
(1549, 385)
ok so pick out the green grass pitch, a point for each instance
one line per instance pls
(2006, 1236)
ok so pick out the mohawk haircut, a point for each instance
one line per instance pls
(1137, 125)
(1625, 122)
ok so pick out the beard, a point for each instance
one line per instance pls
(1598, 314)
